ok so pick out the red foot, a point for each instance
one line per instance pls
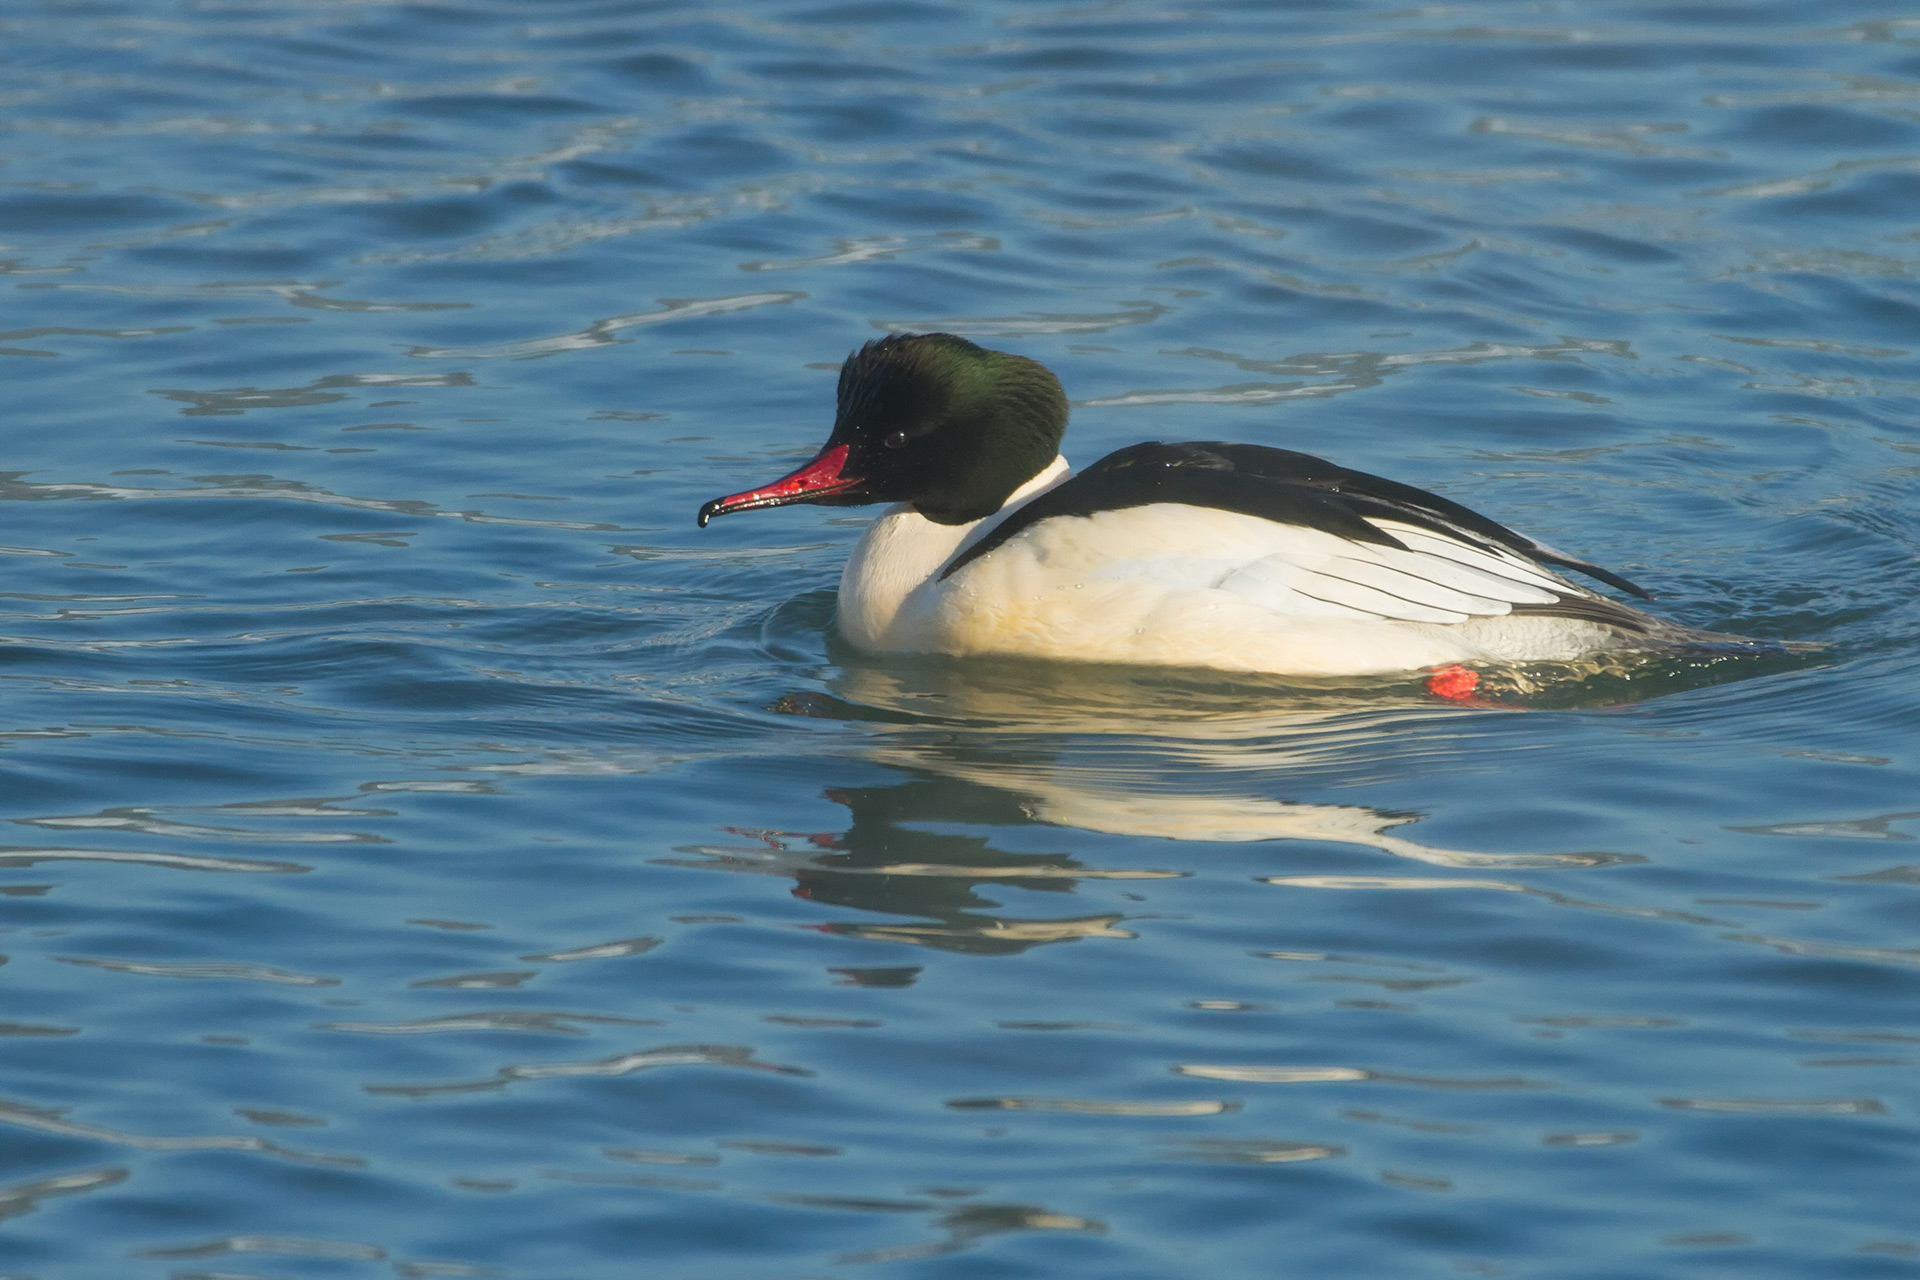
(1454, 682)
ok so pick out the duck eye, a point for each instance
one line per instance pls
(895, 440)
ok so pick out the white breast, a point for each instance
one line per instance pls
(1176, 585)
(895, 560)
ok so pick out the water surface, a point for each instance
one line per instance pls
(430, 855)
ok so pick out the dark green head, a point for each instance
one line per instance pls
(928, 419)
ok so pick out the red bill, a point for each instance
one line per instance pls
(823, 477)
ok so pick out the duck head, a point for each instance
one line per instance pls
(931, 420)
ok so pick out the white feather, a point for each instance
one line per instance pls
(1499, 564)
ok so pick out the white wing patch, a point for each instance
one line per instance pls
(1434, 579)
(1495, 562)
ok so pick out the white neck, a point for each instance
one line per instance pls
(902, 549)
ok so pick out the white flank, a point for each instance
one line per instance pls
(1177, 585)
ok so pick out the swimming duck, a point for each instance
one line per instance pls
(1235, 557)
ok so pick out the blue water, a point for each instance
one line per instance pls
(427, 854)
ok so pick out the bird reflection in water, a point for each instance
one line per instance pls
(886, 863)
(990, 748)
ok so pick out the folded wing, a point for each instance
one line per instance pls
(1354, 545)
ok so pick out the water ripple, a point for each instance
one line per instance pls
(423, 608)
(600, 332)
(203, 969)
(624, 1064)
(45, 1120)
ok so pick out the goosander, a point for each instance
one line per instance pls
(1234, 557)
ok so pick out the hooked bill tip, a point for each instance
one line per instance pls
(821, 477)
